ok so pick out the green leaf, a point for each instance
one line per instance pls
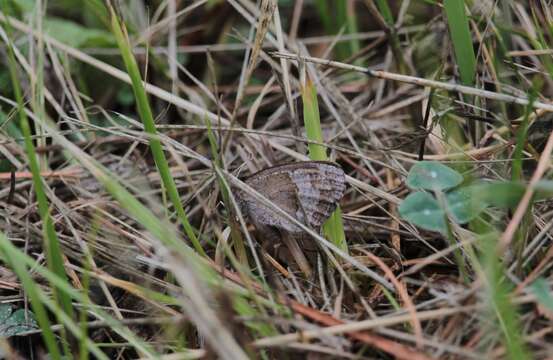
(9, 126)
(423, 210)
(463, 205)
(15, 323)
(25, 6)
(541, 289)
(507, 194)
(502, 194)
(544, 190)
(431, 175)
(5, 312)
(75, 35)
(125, 96)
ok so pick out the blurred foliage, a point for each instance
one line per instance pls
(15, 322)
(75, 35)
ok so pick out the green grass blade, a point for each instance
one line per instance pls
(462, 41)
(21, 261)
(31, 289)
(159, 229)
(521, 137)
(237, 239)
(500, 307)
(149, 125)
(385, 11)
(541, 41)
(325, 14)
(52, 244)
(352, 28)
(335, 16)
(334, 227)
(387, 15)
(312, 121)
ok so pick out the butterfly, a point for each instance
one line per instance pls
(309, 191)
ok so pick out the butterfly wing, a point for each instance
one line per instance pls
(320, 189)
(308, 191)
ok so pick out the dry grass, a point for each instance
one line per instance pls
(225, 81)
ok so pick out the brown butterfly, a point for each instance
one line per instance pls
(309, 191)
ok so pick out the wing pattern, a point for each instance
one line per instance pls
(309, 191)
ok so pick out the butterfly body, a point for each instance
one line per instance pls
(308, 191)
